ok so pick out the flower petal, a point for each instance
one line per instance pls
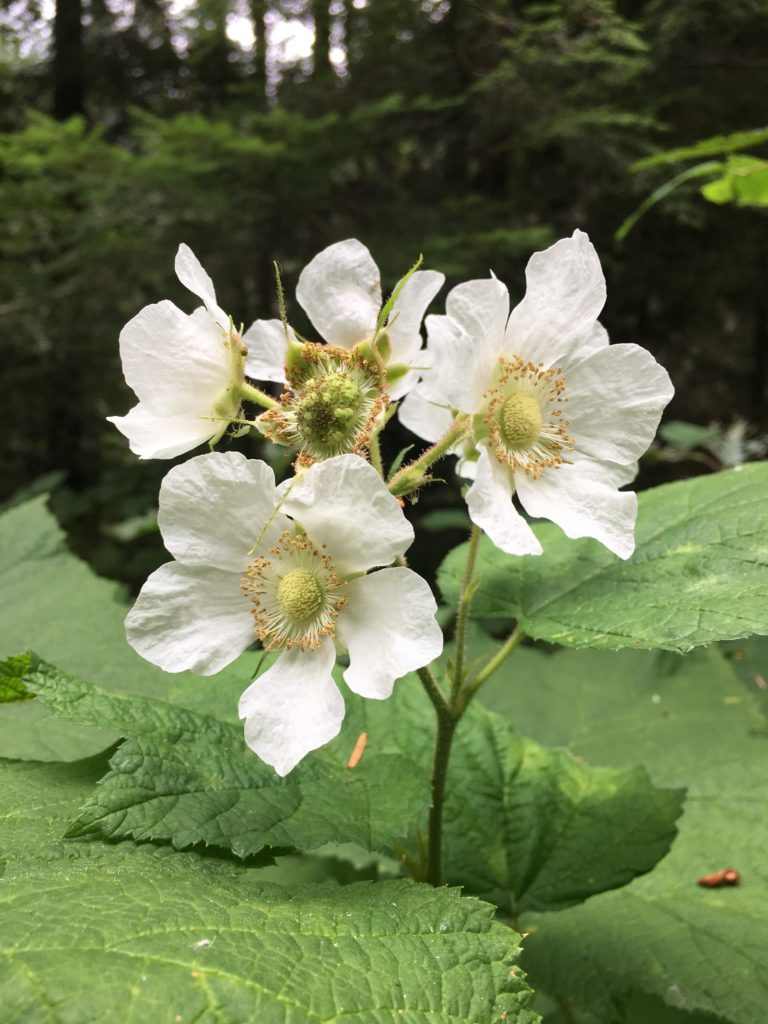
(267, 343)
(388, 626)
(294, 707)
(609, 472)
(468, 341)
(340, 291)
(615, 401)
(466, 467)
(175, 363)
(163, 437)
(424, 417)
(190, 272)
(403, 385)
(454, 375)
(404, 330)
(596, 339)
(489, 501)
(481, 307)
(190, 617)
(217, 508)
(344, 504)
(564, 295)
(584, 502)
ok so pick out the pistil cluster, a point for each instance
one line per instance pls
(333, 400)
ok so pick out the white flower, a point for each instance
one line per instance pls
(340, 291)
(185, 370)
(559, 415)
(288, 565)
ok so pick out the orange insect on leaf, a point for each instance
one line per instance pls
(357, 752)
(728, 876)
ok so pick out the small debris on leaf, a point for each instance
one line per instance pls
(728, 876)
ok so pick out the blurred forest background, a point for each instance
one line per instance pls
(474, 131)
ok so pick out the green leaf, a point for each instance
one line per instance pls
(52, 603)
(39, 801)
(543, 830)
(644, 1010)
(745, 183)
(718, 145)
(189, 779)
(188, 945)
(95, 932)
(699, 572)
(685, 436)
(704, 170)
(640, 1009)
(692, 721)
(539, 829)
(11, 687)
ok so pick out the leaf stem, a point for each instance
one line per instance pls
(253, 394)
(512, 641)
(434, 691)
(462, 614)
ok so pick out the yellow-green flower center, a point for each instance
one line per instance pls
(295, 594)
(523, 417)
(520, 421)
(329, 409)
(300, 595)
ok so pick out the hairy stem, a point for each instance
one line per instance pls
(462, 615)
(375, 449)
(446, 727)
(412, 476)
(253, 394)
(449, 715)
(434, 692)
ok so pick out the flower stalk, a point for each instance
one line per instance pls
(449, 712)
(250, 393)
(414, 475)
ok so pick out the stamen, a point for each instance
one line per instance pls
(523, 418)
(295, 594)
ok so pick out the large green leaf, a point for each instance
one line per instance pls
(190, 779)
(542, 830)
(691, 721)
(640, 1009)
(527, 826)
(93, 932)
(699, 573)
(51, 602)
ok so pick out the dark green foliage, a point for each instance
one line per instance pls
(697, 720)
(473, 132)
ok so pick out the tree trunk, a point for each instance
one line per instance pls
(259, 16)
(68, 88)
(321, 14)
